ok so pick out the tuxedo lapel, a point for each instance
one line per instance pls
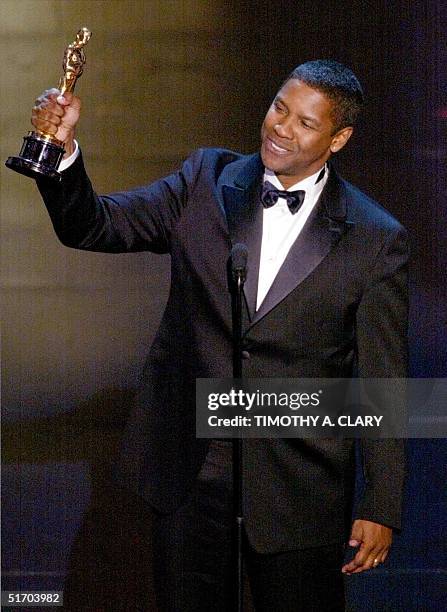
(324, 228)
(240, 191)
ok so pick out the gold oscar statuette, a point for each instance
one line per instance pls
(41, 153)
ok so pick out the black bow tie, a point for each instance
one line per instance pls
(270, 195)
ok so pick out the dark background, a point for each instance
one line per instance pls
(163, 78)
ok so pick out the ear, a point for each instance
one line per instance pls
(341, 138)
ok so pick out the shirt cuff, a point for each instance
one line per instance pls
(66, 163)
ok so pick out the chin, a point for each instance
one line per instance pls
(270, 161)
(274, 167)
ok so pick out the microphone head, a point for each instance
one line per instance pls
(238, 258)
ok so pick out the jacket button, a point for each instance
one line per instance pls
(246, 355)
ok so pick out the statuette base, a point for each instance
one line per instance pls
(39, 156)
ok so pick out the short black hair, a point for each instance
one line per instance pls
(338, 83)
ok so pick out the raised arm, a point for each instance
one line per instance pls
(136, 220)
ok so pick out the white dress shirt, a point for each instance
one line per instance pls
(280, 228)
(65, 163)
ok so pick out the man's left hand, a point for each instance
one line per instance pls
(373, 540)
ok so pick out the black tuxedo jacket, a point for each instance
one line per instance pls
(338, 305)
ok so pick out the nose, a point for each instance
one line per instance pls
(283, 129)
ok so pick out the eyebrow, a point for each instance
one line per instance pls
(303, 117)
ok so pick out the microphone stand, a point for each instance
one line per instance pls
(238, 268)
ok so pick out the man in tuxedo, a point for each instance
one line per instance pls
(325, 297)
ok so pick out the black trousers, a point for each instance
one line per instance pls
(193, 563)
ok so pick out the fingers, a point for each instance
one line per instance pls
(375, 541)
(45, 120)
(367, 557)
(384, 555)
(367, 562)
(364, 559)
(47, 114)
(55, 114)
(50, 99)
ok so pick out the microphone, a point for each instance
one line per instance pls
(238, 258)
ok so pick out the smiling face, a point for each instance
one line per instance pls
(298, 133)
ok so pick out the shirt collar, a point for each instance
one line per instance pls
(306, 184)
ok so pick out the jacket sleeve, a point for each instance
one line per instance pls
(382, 328)
(141, 219)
